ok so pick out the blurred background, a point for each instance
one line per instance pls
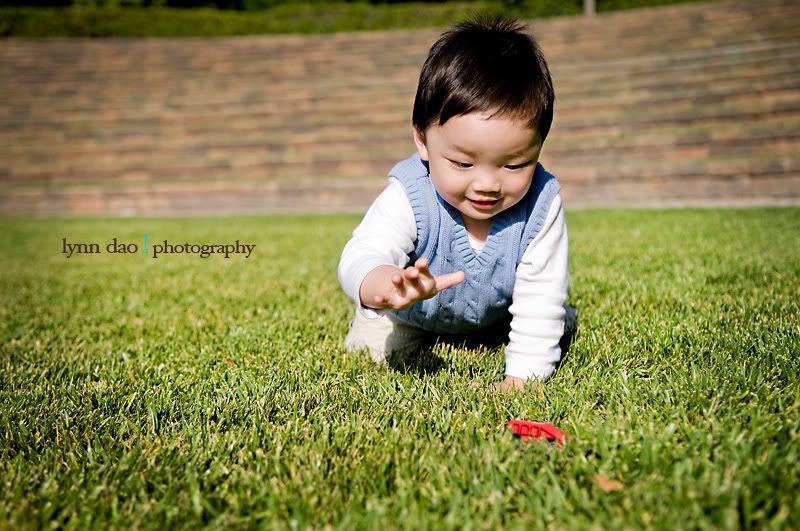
(187, 107)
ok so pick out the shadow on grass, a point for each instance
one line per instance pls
(422, 362)
(426, 360)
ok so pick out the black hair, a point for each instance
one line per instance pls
(486, 64)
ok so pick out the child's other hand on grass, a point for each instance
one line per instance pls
(511, 383)
(406, 286)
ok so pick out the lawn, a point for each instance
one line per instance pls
(82, 20)
(184, 391)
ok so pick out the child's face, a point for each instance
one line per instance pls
(480, 166)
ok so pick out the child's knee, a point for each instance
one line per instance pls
(383, 338)
(356, 343)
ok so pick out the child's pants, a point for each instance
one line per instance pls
(388, 335)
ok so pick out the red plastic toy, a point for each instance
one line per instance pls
(526, 429)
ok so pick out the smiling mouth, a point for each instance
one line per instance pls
(483, 204)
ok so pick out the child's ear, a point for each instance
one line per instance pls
(419, 140)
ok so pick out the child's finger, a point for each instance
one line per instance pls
(399, 284)
(412, 273)
(421, 264)
(449, 280)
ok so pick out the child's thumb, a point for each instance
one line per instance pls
(448, 280)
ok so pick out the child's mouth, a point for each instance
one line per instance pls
(483, 204)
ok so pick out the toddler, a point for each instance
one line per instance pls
(468, 239)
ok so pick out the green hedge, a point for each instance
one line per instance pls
(82, 21)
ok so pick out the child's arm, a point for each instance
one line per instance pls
(370, 268)
(384, 238)
(537, 310)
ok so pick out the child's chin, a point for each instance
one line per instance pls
(478, 214)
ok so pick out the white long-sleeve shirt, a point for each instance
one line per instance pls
(386, 236)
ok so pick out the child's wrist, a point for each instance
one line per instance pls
(377, 282)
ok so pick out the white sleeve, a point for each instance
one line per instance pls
(385, 236)
(537, 309)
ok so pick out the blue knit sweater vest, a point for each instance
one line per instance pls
(483, 298)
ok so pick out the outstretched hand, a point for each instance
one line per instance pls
(415, 283)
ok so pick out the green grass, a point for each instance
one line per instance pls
(26, 22)
(288, 18)
(181, 391)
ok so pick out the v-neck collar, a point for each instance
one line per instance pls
(461, 240)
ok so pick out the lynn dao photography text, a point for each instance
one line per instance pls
(203, 250)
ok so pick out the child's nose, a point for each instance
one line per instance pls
(487, 182)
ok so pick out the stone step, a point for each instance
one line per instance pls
(232, 198)
(781, 93)
(708, 84)
(682, 160)
(766, 136)
(665, 64)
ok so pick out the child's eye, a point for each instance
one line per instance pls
(518, 166)
(462, 165)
